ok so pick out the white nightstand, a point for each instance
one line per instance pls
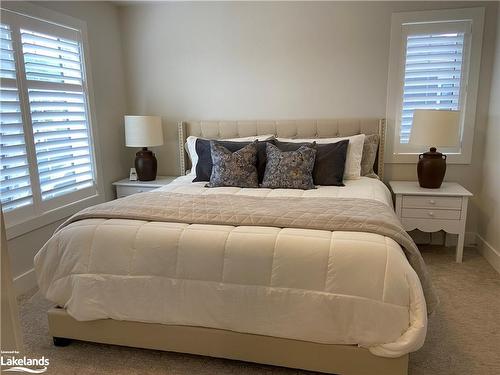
(431, 210)
(126, 187)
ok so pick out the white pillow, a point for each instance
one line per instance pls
(190, 146)
(354, 152)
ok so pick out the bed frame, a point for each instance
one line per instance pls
(328, 358)
(336, 359)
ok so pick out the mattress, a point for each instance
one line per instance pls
(320, 286)
(364, 187)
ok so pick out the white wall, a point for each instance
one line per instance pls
(274, 60)
(489, 196)
(110, 105)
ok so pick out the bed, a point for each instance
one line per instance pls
(156, 271)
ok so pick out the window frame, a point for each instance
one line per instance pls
(394, 152)
(19, 221)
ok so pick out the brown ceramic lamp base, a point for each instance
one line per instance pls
(145, 165)
(431, 168)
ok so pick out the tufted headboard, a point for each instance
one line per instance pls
(284, 129)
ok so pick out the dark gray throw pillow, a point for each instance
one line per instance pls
(329, 164)
(289, 169)
(204, 165)
(234, 168)
(370, 148)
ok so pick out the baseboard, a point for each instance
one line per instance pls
(491, 254)
(25, 282)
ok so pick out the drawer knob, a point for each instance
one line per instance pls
(431, 213)
(432, 201)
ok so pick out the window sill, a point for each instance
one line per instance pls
(50, 217)
(413, 158)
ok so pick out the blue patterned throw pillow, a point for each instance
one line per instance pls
(289, 169)
(237, 168)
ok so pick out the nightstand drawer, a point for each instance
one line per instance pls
(423, 213)
(123, 191)
(413, 201)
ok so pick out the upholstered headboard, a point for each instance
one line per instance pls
(285, 129)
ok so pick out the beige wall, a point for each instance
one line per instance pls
(274, 60)
(489, 195)
(110, 105)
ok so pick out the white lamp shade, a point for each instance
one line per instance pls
(432, 127)
(143, 131)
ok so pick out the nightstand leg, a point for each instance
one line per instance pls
(460, 247)
(461, 235)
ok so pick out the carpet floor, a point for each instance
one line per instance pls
(463, 336)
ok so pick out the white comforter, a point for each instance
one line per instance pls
(320, 286)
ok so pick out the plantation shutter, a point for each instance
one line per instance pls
(15, 186)
(46, 151)
(57, 101)
(433, 72)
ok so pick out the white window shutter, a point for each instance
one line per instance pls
(51, 59)
(15, 188)
(57, 101)
(432, 75)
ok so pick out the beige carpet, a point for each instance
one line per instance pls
(463, 337)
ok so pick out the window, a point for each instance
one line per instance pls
(433, 74)
(46, 152)
(434, 64)
(14, 173)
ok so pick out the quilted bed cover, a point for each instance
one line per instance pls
(314, 285)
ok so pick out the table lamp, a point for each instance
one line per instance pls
(436, 128)
(144, 131)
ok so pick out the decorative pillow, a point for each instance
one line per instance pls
(190, 146)
(204, 164)
(354, 152)
(289, 169)
(329, 164)
(234, 168)
(370, 148)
